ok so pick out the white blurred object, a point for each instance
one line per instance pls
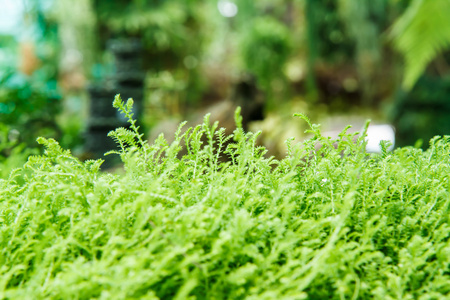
(227, 8)
(378, 133)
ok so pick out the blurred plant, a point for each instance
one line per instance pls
(420, 34)
(326, 40)
(13, 154)
(29, 96)
(348, 35)
(422, 112)
(159, 23)
(44, 45)
(71, 126)
(265, 49)
(76, 33)
(164, 87)
(171, 32)
(8, 52)
(29, 106)
(364, 21)
(328, 37)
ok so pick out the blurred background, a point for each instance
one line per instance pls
(338, 61)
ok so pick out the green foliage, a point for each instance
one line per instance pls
(265, 49)
(12, 153)
(173, 34)
(28, 103)
(422, 112)
(327, 36)
(162, 21)
(365, 20)
(328, 222)
(420, 35)
(29, 93)
(162, 25)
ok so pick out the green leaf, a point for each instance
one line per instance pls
(420, 34)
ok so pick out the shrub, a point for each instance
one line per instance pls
(29, 106)
(265, 49)
(332, 223)
(13, 154)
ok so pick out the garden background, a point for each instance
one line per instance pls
(339, 61)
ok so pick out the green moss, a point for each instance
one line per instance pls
(328, 223)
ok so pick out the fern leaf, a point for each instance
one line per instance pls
(420, 34)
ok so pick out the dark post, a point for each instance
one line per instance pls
(128, 81)
(129, 76)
